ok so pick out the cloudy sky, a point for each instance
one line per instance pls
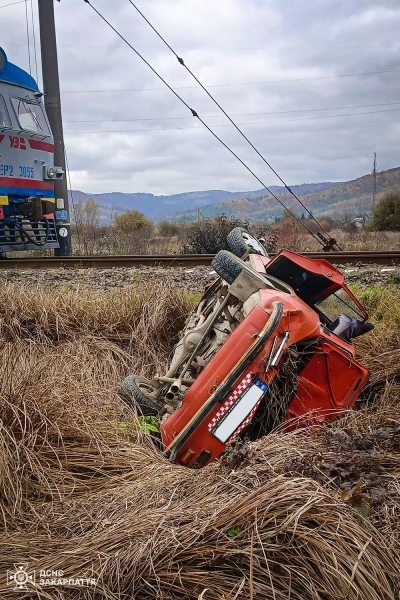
(288, 71)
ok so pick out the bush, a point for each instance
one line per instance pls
(132, 220)
(208, 236)
(167, 229)
(315, 228)
(386, 214)
(289, 235)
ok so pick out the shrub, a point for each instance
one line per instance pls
(289, 235)
(167, 229)
(386, 214)
(208, 236)
(132, 220)
(315, 228)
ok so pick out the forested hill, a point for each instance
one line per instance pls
(161, 207)
(352, 198)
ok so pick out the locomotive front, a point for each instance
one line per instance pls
(27, 171)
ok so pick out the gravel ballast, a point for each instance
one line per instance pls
(192, 279)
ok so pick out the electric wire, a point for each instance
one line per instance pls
(69, 182)
(27, 36)
(12, 4)
(181, 62)
(34, 42)
(244, 84)
(374, 112)
(318, 237)
(279, 112)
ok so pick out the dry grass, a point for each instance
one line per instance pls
(289, 236)
(80, 493)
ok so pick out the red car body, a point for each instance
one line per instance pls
(329, 382)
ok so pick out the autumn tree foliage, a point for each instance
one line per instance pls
(131, 221)
(386, 214)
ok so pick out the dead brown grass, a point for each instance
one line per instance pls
(80, 493)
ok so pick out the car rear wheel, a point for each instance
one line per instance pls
(240, 242)
(138, 393)
(228, 266)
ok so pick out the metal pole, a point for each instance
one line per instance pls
(374, 182)
(51, 85)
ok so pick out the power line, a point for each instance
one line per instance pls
(181, 62)
(328, 240)
(27, 36)
(34, 42)
(13, 3)
(226, 125)
(195, 87)
(230, 48)
(328, 243)
(279, 112)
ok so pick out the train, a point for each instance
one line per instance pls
(28, 208)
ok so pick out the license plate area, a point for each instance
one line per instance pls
(240, 412)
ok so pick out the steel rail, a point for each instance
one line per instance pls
(181, 260)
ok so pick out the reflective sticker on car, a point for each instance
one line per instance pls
(240, 412)
(231, 400)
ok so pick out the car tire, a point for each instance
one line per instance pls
(240, 242)
(135, 392)
(228, 267)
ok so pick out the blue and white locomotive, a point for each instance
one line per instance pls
(27, 171)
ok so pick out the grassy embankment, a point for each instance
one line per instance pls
(308, 515)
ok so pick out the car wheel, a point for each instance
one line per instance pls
(240, 242)
(228, 266)
(138, 393)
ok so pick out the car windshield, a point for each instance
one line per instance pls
(339, 303)
(30, 116)
(4, 116)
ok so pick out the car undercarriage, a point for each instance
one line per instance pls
(268, 345)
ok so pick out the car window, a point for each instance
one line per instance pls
(30, 116)
(5, 120)
(337, 304)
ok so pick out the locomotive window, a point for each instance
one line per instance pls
(5, 120)
(30, 116)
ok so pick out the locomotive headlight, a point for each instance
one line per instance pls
(51, 172)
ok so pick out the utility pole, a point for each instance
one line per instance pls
(374, 182)
(52, 100)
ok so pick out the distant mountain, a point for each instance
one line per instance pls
(349, 198)
(157, 208)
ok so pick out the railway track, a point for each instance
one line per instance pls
(182, 260)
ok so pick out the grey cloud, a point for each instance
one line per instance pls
(224, 42)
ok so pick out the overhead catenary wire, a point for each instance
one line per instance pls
(13, 3)
(327, 243)
(279, 112)
(150, 129)
(181, 62)
(34, 42)
(243, 84)
(27, 36)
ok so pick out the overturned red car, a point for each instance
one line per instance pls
(268, 345)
